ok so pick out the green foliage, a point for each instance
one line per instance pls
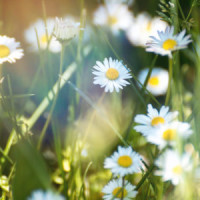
(31, 171)
(165, 11)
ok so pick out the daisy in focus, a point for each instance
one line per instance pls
(111, 74)
(65, 29)
(173, 166)
(167, 42)
(154, 119)
(43, 38)
(48, 195)
(9, 50)
(169, 134)
(114, 190)
(142, 27)
(124, 161)
(114, 15)
(158, 81)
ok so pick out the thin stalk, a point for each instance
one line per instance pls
(13, 106)
(59, 156)
(145, 177)
(138, 94)
(54, 102)
(176, 70)
(190, 11)
(150, 71)
(6, 156)
(170, 79)
(83, 184)
(123, 182)
(181, 11)
(174, 17)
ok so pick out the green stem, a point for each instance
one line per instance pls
(150, 71)
(145, 177)
(190, 11)
(123, 182)
(174, 15)
(43, 105)
(54, 102)
(6, 156)
(170, 79)
(181, 11)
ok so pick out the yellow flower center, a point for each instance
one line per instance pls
(169, 134)
(4, 51)
(157, 120)
(177, 169)
(117, 192)
(148, 27)
(112, 20)
(44, 39)
(153, 81)
(125, 161)
(169, 44)
(112, 74)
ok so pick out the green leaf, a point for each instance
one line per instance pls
(31, 171)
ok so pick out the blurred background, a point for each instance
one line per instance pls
(77, 122)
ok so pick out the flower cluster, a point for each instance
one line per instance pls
(162, 129)
(123, 162)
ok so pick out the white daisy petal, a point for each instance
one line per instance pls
(114, 189)
(150, 123)
(43, 39)
(124, 162)
(111, 74)
(158, 81)
(167, 134)
(168, 42)
(42, 195)
(173, 166)
(142, 27)
(9, 50)
(114, 15)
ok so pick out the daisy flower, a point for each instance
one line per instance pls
(166, 42)
(142, 27)
(48, 195)
(114, 190)
(66, 29)
(158, 81)
(169, 133)
(124, 161)
(114, 15)
(9, 50)
(111, 74)
(173, 166)
(31, 37)
(153, 119)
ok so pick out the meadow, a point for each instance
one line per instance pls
(99, 99)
